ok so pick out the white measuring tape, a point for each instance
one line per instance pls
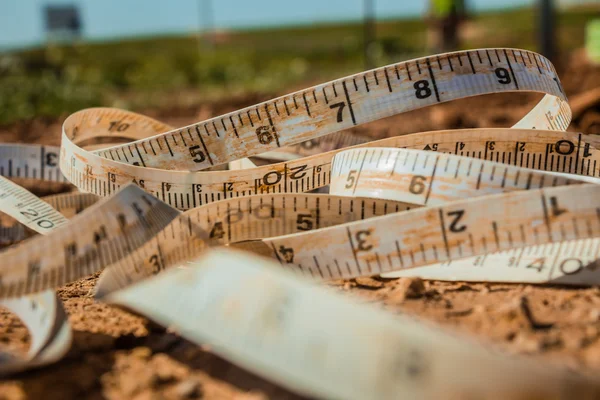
(516, 205)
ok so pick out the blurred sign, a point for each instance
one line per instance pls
(62, 22)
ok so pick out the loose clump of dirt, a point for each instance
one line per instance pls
(119, 355)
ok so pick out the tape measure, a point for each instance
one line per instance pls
(163, 159)
(514, 204)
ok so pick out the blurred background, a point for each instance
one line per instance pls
(195, 58)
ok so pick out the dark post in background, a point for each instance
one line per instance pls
(547, 42)
(369, 31)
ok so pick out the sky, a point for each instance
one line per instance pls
(21, 21)
(235, 13)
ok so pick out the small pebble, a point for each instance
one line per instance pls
(141, 352)
(368, 283)
(407, 288)
(189, 389)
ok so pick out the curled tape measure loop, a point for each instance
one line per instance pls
(507, 204)
(162, 162)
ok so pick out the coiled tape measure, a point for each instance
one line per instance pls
(510, 205)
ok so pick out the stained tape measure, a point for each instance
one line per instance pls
(501, 205)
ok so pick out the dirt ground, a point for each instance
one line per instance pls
(118, 355)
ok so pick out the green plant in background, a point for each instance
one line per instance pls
(592, 40)
(47, 93)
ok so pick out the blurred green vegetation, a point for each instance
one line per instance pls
(183, 71)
